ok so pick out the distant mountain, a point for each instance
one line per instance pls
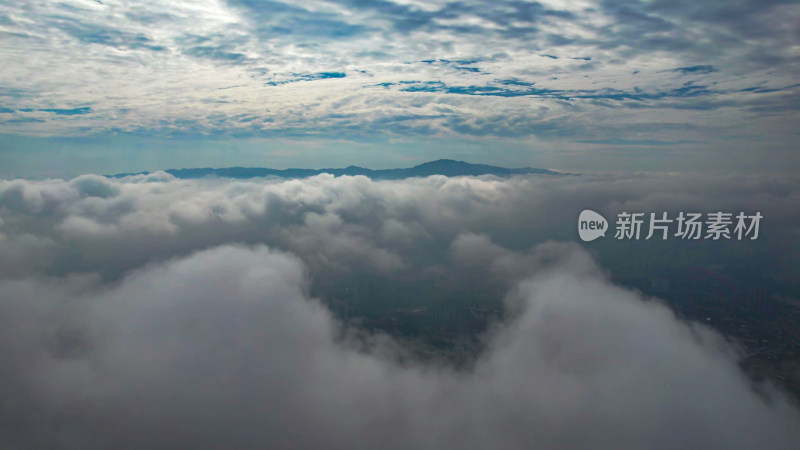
(447, 167)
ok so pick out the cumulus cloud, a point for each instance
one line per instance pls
(96, 224)
(225, 349)
(151, 311)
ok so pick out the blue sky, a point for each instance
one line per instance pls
(111, 86)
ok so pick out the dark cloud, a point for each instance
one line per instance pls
(296, 77)
(69, 112)
(696, 69)
(103, 35)
(215, 53)
(526, 89)
(274, 18)
(675, 26)
(505, 16)
(25, 120)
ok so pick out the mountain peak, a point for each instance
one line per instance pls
(443, 162)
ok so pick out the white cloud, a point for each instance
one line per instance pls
(223, 348)
(150, 309)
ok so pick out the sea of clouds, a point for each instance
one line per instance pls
(151, 312)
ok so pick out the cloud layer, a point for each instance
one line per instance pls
(91, 223)
(151, 311)
(554, 73)
(222, 349)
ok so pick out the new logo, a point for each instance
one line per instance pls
(591, 225)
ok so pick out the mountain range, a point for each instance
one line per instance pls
(447, 167)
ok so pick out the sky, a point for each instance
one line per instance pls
(109, 86)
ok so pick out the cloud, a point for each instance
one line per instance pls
(583, 69)
(111, 226)
(696, 69)
(198, 313)
(69, 112)
(224, 348)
